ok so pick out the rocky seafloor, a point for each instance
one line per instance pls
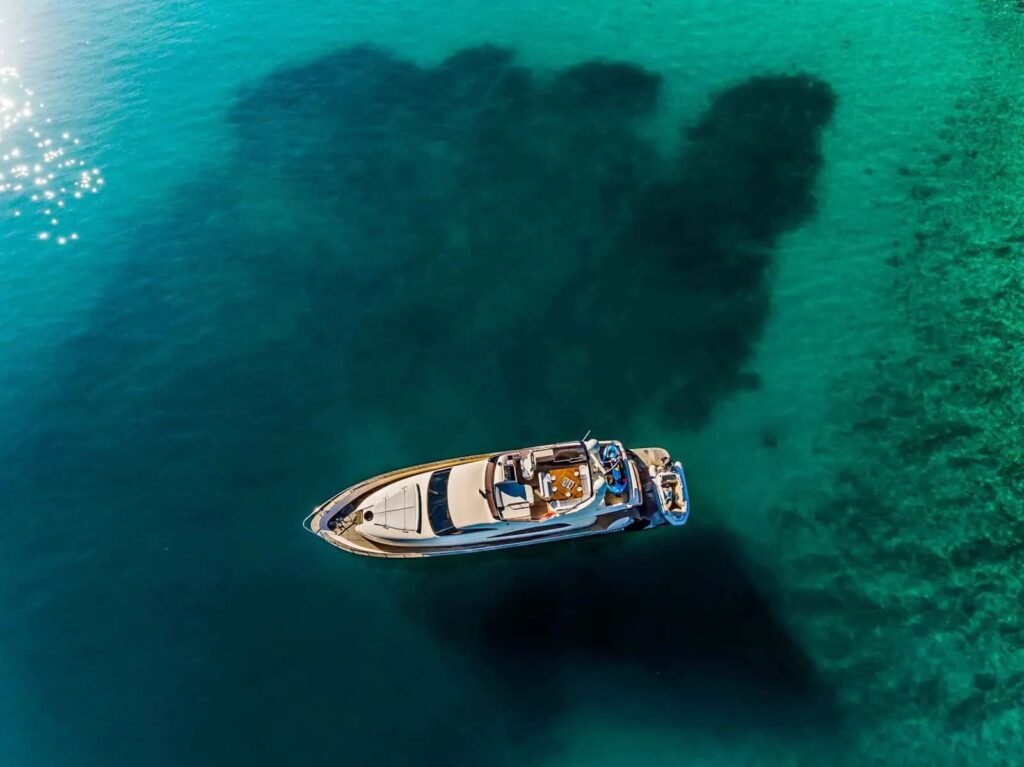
(905, 573)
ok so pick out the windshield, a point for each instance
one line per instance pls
(437, 504)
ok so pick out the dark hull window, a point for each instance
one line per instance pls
(532, 530)
(437, 503)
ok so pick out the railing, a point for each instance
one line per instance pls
(338, 530)
(305, 522)
(686, 490)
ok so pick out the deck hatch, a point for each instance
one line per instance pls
(400, 510)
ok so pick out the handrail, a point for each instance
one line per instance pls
(686, 490)
(305, 522)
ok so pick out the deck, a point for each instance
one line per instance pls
(335, 522)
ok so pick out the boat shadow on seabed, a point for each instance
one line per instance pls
(668, 626)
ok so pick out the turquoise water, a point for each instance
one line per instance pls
(317, 241)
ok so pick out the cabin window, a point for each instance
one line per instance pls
(437, 503)
(532, 530)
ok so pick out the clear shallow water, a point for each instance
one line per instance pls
(313, 260)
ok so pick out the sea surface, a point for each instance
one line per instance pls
(254, 252)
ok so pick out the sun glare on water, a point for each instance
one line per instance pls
(42, 174)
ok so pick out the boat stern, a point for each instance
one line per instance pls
(669, 496)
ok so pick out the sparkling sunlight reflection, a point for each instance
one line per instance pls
(41, 172)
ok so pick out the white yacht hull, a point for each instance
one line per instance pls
(342, 520)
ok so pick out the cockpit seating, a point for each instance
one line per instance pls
(513, 499)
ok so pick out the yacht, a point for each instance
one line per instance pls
(501, 500)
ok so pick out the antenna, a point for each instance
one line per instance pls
(585, 436)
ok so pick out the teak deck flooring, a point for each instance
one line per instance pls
(567, 483)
